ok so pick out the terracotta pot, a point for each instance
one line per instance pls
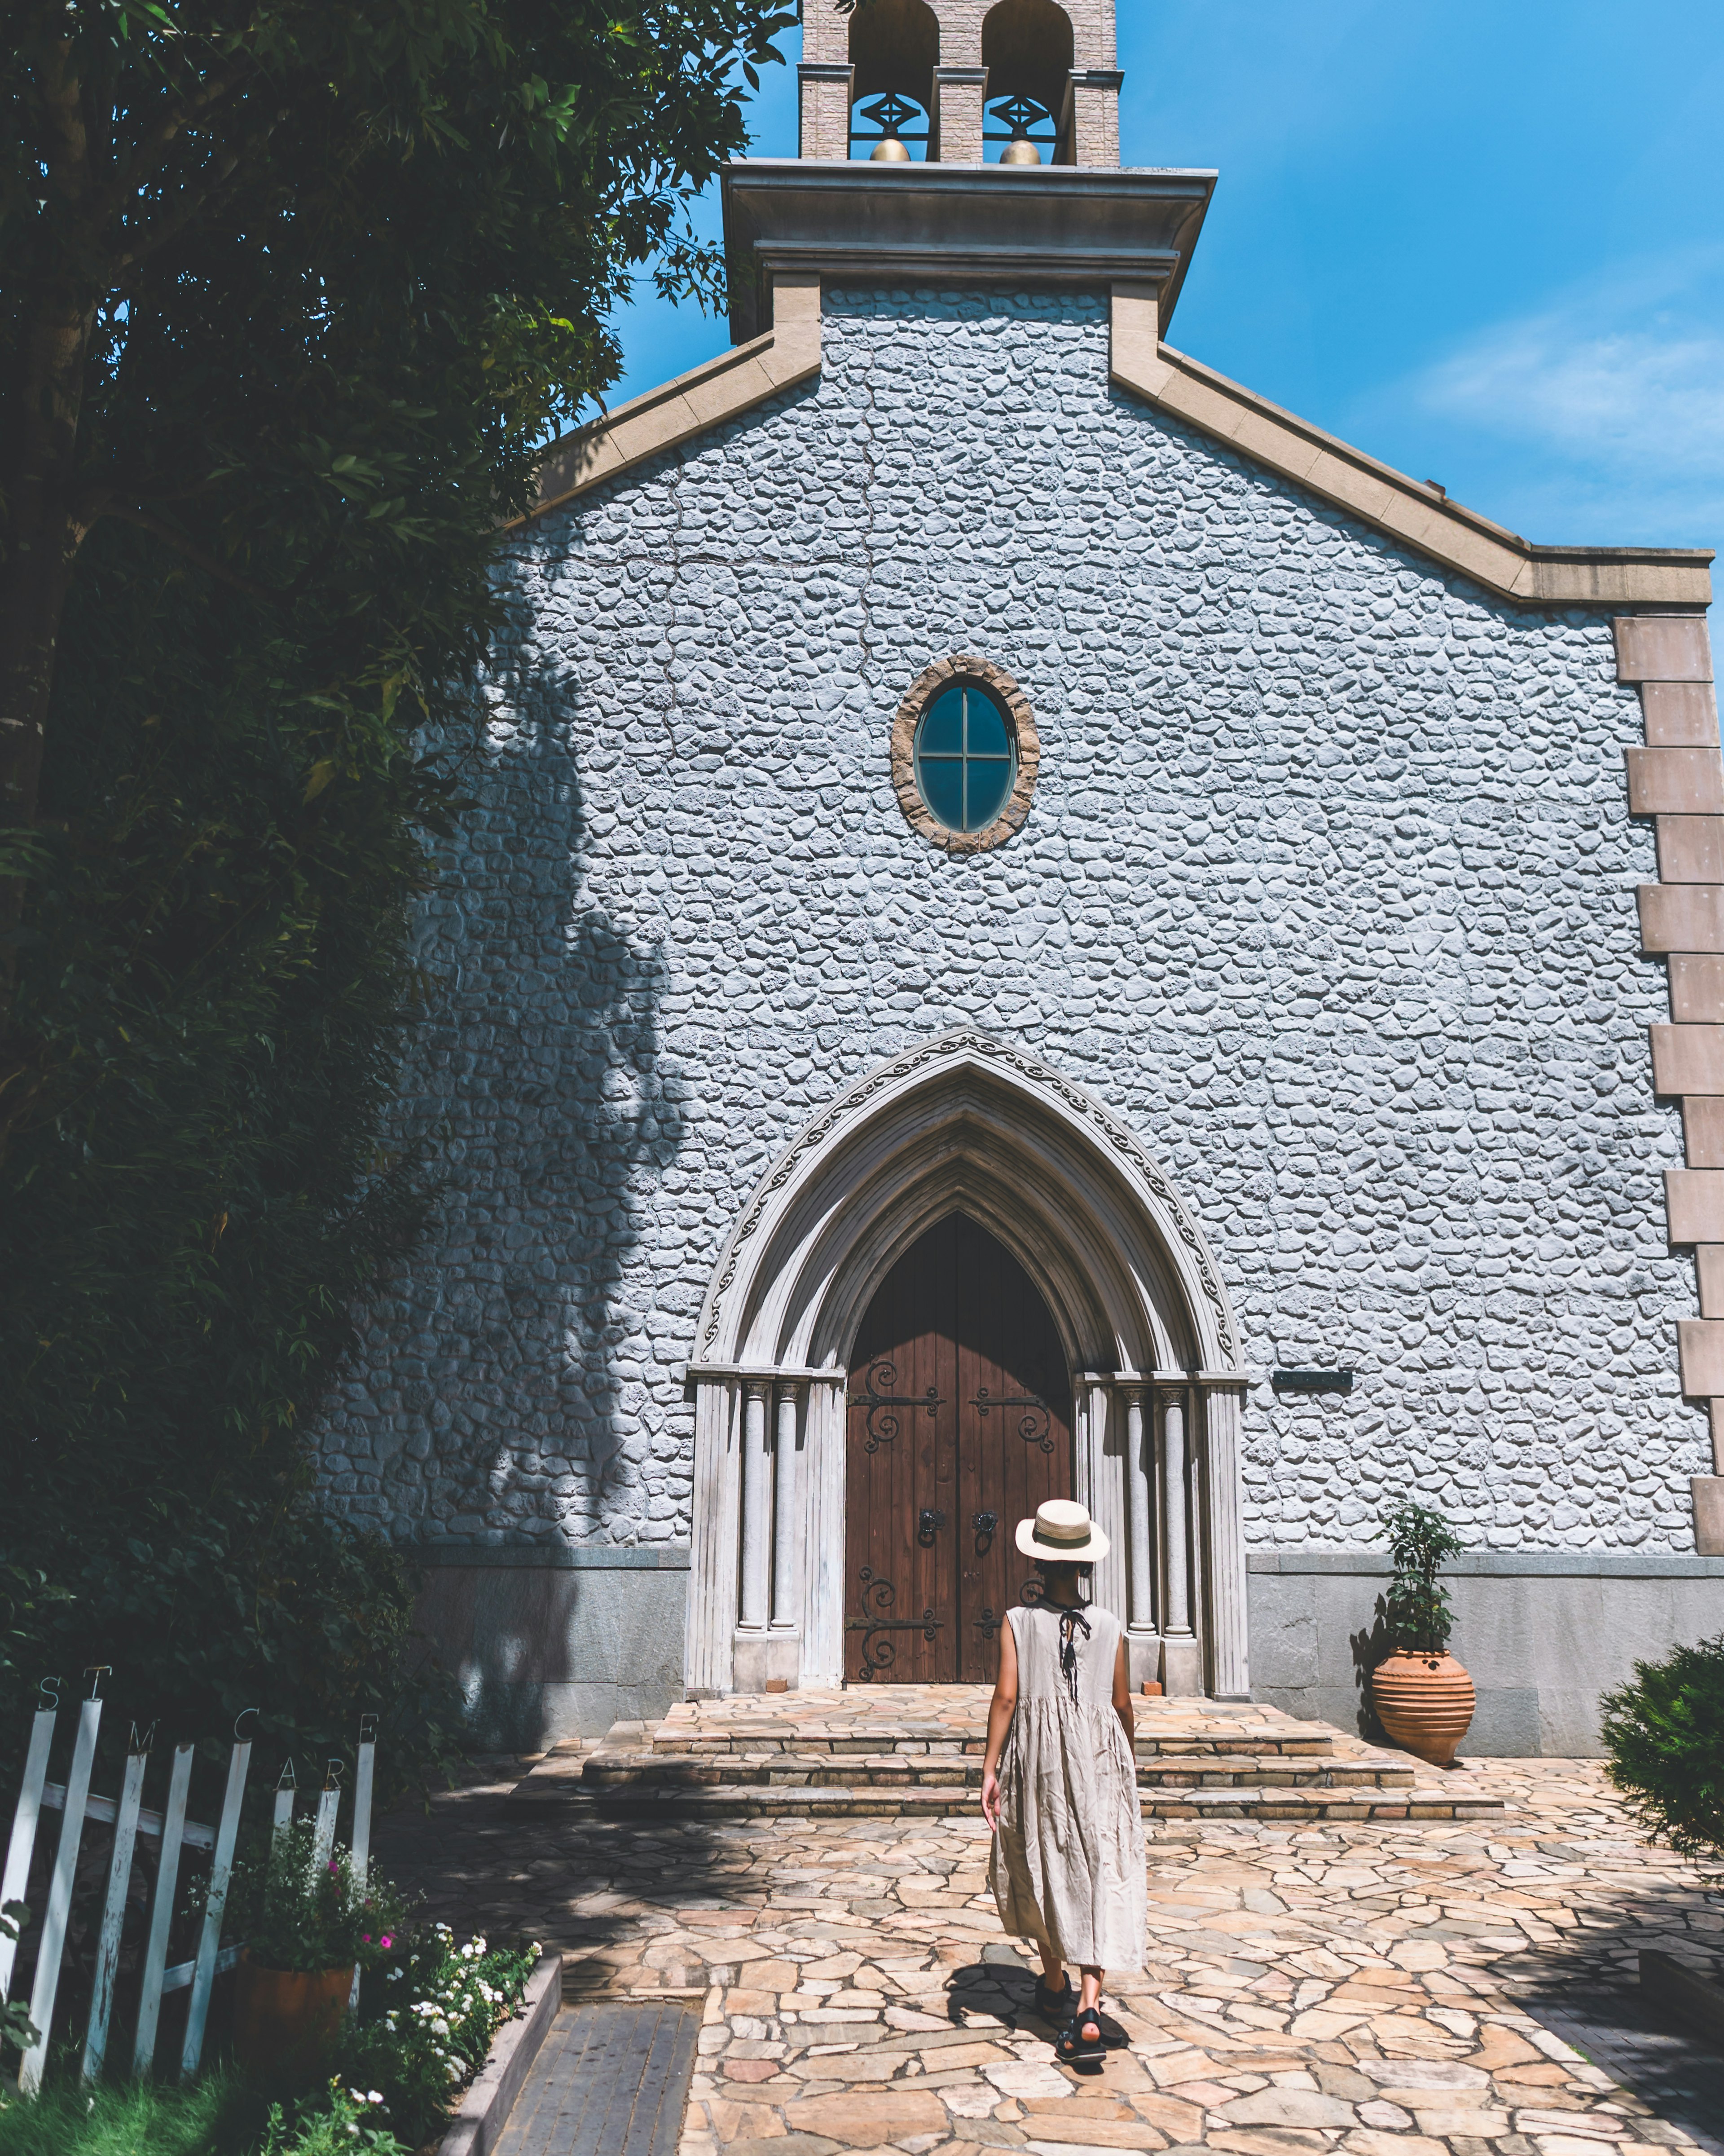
(285, 2020)
(1424, 1702)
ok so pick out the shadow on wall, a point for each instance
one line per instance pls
(1370, 1646)
(542, 1654)
(560, 1121)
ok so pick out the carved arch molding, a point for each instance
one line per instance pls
(970, 1124)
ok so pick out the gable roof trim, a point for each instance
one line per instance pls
(707, 395)
(1416, 515)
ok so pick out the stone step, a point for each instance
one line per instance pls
(618, 1767)
(1266, 1803)
(669, 1742)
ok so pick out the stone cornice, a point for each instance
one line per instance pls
(952, 223)
(1414, 514)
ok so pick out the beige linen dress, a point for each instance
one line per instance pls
(1067, 1868)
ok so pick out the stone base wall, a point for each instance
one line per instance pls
(1542, 1632)
(545, 1650)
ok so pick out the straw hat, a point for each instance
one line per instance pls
(1063, 1532)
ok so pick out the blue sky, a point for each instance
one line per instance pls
(1483, 241)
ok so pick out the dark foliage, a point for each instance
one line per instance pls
(312, 285)
(1665, 1733)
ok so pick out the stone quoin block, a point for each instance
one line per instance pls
(1693, 1197)
(1663, 648)
(1679, 714)
(1703, 1351)
(1703, 1131)
(1709, 1269)
(1696, 989)
(1675, 782)
(1681, 916)
(1688, 1059)
(1690, 848)
(1709, 1515)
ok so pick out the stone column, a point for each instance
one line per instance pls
(1229, 1656)
(1182, 1674)
(1142, 1645)
(786, 1514)
(955, 118)
(824, 94)
(707, 1665)
(1089, 123)
(757, 1506)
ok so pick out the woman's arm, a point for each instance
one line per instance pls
(1122, 1698)
(1000, 1710)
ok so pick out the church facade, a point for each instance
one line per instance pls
(1034, 925)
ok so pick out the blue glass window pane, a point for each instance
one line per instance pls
(943, 790)
(990, 783)
(987, 729)
(943, 727)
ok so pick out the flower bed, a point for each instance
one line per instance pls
(427, 2013)
(425, 2023)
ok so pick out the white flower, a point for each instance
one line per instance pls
(374, 2095)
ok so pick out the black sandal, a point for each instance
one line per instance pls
(1052, 2004)
(1073, 2048)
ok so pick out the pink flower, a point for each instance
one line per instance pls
(387, 1943)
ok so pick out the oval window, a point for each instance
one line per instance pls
(966, 757)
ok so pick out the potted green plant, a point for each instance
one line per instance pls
(308, 1924)
(1423, 1698)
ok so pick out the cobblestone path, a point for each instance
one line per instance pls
(1369, 1987)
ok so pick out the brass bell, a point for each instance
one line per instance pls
(888, 151)
(1022, 151)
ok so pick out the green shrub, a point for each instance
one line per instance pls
(1665, 1733)
(1417, 1610)
(425, 2024)
(345, 2120)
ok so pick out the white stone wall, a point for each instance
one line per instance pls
(1327, 887)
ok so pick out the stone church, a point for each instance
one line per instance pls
(1035, 925)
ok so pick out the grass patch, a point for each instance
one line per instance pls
(219, 2115)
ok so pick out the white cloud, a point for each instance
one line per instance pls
(1612, 397)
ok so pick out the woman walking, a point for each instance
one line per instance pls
(1060, 1783)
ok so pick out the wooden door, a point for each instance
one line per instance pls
(959, 1425)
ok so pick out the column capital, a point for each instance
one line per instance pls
(757, 1388)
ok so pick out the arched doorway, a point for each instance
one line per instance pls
(958, 1425)
(970, 1128)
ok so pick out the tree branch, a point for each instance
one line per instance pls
(153, 145)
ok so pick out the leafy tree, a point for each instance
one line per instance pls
(1665, 1734)
(295, 289)
(289, 297)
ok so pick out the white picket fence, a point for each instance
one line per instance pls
(79, 1806)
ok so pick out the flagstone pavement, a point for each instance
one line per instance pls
(1356, 1986)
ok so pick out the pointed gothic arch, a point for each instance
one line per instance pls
(965, 1123)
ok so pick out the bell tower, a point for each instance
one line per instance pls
(965, 143)
(960, 82)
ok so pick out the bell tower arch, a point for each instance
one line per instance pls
(961, 63)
